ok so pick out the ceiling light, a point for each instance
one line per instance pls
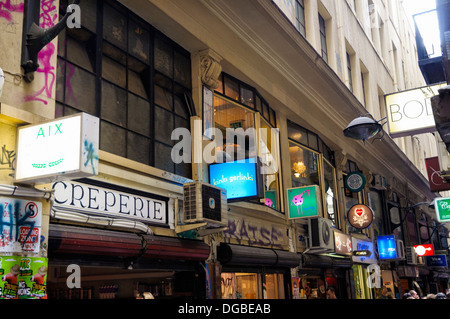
(363, 128)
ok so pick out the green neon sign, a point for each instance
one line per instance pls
(304, 201)
(442, 207)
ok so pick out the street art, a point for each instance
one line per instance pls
(20, 225)
(7, 8)
(242, 229)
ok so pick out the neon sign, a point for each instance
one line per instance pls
(386, 247)
(304, 201)
(424, 250)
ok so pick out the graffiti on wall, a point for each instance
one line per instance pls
(249, 231)
(20, 225)
(48, 18)
(7, 7)
(7, 159)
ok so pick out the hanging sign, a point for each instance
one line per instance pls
(387, 248)
(360, 216)
(355, 182)
(442, 207)
(304, 202)
(437, 261)
(424, 250)
(410, 112)
(437, 182)
(342, 243)
(63, 149)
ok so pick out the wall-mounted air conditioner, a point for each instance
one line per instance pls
(321, 235)
(400, 249)
(203, 202)
(411, 256)
(379, 182)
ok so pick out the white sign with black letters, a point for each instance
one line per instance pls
(111, 203)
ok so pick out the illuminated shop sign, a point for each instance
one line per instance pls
(304, 202)
(442, 207)
(363, 251)
(410, 112)
(62, 149)
(360, 216)
(239, 178)
(355, 182)
(342, 243)
(387, 248)
(424, 250)
(437, 261)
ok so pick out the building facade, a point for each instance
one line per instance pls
(182, 91)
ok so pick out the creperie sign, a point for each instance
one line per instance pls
(410, 112)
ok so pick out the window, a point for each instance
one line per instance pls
(349, 72)
(241, 108)
(131, 76)
(312, 163)
(252, 286)
(323, 38)
(300, 17)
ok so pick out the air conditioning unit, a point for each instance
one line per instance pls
(203, 202)
(321, 235)
(379, 182)
(400, 249)
(411, 256)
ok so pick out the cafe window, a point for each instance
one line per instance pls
(312, 163)
(119, 68)
(252, 286)
(240, 108)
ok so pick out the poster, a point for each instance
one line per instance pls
(23, 277)
(304, 201)
(20, 225)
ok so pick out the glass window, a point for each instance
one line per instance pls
(300, 17)
(137, 90)
(304, 166)
(349, 73)
(323, 38)
(252, 286)
(330, 191)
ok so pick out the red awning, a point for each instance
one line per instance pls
(72, 240)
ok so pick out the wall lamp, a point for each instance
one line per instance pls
(37, 38)
(363, 128)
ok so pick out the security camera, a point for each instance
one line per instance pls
(2, 81)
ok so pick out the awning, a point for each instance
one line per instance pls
(72, 240)
(319, 261)
(237, 255)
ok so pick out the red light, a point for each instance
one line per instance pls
(424, 250)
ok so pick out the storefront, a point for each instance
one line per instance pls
(362, 259)
(120, 257)
(256, 273)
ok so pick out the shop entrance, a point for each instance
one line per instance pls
(240, 285)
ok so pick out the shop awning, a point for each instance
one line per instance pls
(72, 240)
(320, 261)
(237, 255)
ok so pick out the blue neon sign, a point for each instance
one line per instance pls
(239, 178)
(386, 247)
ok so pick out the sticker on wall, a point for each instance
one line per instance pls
(304, 202)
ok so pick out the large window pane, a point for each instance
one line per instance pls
(330, 190)
(163, 57)
(112, 139)
(163, 125)
(138, 115)
(139, 41)
(80, 89)
(304, 166)
(138, 148)
(114, 104)
(114, 27)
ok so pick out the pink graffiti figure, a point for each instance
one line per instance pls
(297, 200)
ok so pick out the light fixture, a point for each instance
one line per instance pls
(299, 168)
(363, 128)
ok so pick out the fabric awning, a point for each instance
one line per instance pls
(253, 256)
(72, 240)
